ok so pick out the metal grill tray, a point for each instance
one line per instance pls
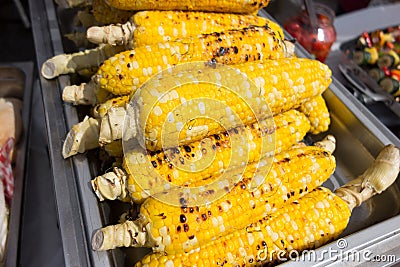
(12, 245)
(360, 137)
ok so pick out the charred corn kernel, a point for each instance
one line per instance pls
(317, 112)
(259, 242)
(294, 173)
(236, 6)
(205, 160)
(126, 71)
(106, 14)
(101, 109)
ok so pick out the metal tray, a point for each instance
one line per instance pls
(12, 245)
(379, 109)
(359, 133)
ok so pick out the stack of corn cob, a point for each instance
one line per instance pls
(276, 183)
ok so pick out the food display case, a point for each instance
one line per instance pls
(374, 227)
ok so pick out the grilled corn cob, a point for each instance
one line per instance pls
(309, 222)
(285, 84)
(236, 6)
(290, 128)
(150, 27)
(128, 70)
(317, 112)
(123, 73)
(207, 158)
(70, 63)
(174, 229)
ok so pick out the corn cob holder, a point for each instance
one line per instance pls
(207, 158)
(313, 220)
(172, 228)
(236, 6)
(150, 27)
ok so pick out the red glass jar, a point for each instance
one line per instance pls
(317, 41)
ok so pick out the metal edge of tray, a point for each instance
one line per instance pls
(78, 209)
(72, 215)
(14, 229)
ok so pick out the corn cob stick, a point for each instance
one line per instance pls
(174, 229)
(236, 6)
(207, 158)
(317, 112)
(125, 72)
(70, 63)
(88, 132)
(310, 222)
(150, 27)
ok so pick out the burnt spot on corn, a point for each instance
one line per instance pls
(187, 149)
(191, 237)
(154, 163)
(182, 218)
(185, 227)
(182, 201)
(162, 216)
(178, 228)
(221, 51)
(204, 216)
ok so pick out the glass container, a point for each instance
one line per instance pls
(316, 40)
